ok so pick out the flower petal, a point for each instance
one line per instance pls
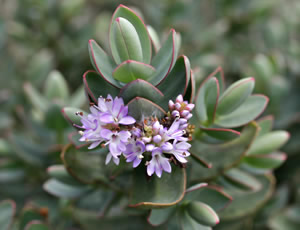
(124, 136)
(167, 147)
(128, 120)
(106, 133)
(107, 118)
(150, 168)
(166, 165)
(136, 162)
(113, 148)
(116, 160)
(117, 105)
(108, 158)
(94, 145)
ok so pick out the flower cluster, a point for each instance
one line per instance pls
(158, 141)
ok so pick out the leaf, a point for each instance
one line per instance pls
(206, 100)
(36, 99)
(141, 108)
(235, 96)
(160, 216)
(265, 124)
(221, 133)
(54, 119)
(69, 114)
(62, 190)
(269, 142)
(242, 180)
(124, 41)
(176, 82)
(97, 86)
(78, 98)
(266, 161)
(188, 223)
(247, 112)
(287, 219)
(123, 222)
(87, 167)
(28, 216)
(221, 156)
(128, 14)
(131, 70)
(102, 63)
(190, 92)
(7, 210)
(245, 203)
(202, 213)
(140, 88)
(56, 86)
(36, 225)
(212, 195)
(154, 38)
(59, 173)
(165, 59)
(11, 175)
(158, 192)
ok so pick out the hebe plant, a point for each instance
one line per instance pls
(192, 158)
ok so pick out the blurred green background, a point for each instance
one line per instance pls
(258, 38)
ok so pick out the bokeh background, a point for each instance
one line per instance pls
(258, 38)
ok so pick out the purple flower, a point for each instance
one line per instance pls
(116, 140)
(180, 151)
(92, 126)
(181, 108)
(158, 163)
(114, 111)
(134, 152)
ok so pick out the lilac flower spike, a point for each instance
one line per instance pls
(158, 163)
(134, 152)
(181, 108)
(114, 111)
(116, 140)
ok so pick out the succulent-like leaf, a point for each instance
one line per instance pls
(140, 108)
(211, 195)
(188, 223)
(242, 180)
(56, 86)
(247, 112)
(128, 14)
(207, 100)
(221, 133)
(160, 216)
(60, 173)
(36, 99)
(222, 156)
(70, 115)
(131, 70)
(36, 225)
(165, 59)
(97, 86)
(141, 88)
(157, 192)
(11, 174)
(54, 119)
(202, 213)
(176, 82)
(102, 63)
(7, 210)
(154, 38)
(63, 190)
(124, 41)
(191, 90)
(266, 161)
(77, 99)
(269, 142)
(29, 215)
(265, 124)
(235, 96)
(245, 203)
(87, 167)
(288, 219)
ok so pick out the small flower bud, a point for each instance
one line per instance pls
(171, 105)
(179, 98)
